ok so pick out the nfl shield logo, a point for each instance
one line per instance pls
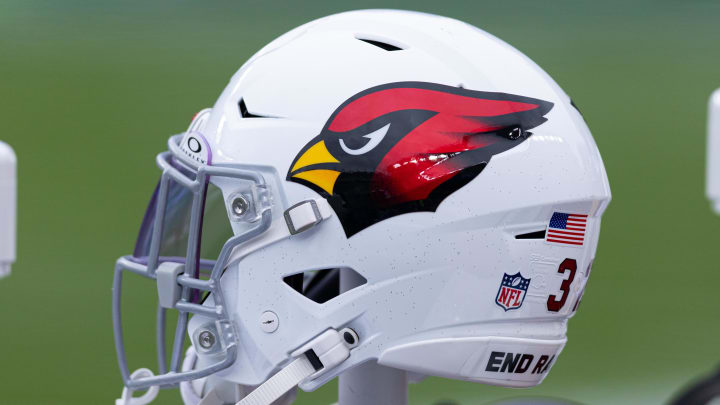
(512, 291)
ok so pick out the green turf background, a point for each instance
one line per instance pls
(90, 90)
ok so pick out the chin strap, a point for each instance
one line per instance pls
(127, 399)
(187, 391)
(280, 383)
(318, 356)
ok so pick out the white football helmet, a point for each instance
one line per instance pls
(382, 186)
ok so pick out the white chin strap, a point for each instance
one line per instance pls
(127, 399)
(282, 382)
(321, 354)
(316, 357)
(187, 391)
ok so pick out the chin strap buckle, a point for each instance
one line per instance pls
(313, 359)
(306, 214)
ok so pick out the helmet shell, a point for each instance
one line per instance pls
(433, 278)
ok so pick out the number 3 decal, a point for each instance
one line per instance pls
(553, 303)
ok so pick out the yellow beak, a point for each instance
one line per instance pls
(317, 154)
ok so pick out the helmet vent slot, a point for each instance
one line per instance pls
(532, 235)
(247, 114)
(322, 285)
(381, 44)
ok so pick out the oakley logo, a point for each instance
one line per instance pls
(194, 145)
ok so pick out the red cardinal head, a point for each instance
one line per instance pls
(404, 147)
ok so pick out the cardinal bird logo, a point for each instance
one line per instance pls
(404, 147)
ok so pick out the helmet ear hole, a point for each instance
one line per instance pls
(321, 285)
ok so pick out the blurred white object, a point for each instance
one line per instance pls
(713, 167)
(8, 192)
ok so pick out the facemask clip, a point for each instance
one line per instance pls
(168, 288)
(213, 337)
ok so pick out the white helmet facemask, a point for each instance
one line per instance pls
(170, 250)
(188, 221)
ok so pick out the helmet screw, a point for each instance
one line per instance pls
(240, 206)
(206, 339)
(269, 322)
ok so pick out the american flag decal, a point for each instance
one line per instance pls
(566, 229)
